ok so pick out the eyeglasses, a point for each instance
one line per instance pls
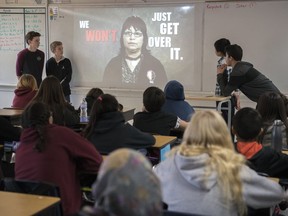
(136, 34)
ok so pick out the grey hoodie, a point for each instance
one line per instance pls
(246, 78)
(184, 190)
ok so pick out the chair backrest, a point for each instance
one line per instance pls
(173, 213)
(36, 188)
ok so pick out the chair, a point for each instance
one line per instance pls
(173, 213)
(36, 188)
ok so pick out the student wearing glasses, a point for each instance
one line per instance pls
(134, 65)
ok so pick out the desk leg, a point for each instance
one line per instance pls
(229, 111)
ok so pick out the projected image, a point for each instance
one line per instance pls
(134, 64)
(130, 47)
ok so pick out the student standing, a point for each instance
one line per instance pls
(31, 60)
(60, 67)
(243, 76)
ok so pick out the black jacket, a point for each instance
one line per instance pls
(268, 161)
(111, 132)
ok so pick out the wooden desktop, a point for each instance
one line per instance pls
(18, 204)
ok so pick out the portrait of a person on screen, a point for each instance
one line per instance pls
(134, 66)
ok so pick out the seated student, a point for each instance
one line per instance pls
(108, 131)
(152, 119)
(247, 126)
(8, 132)
(126, 186)
(204, 175)
(25, 90)
(175, 101)
(272, 108)
(54, 154)
(91, 97)
(50, 93)
(285, 99)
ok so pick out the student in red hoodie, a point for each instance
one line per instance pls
(26, 89)
(54, 154)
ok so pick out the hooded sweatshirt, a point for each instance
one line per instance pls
(185, 191)
(22, 97)
(111, 132)
(246, 78)
(175, 101)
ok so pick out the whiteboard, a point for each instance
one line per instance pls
(260, 28)
(14, 24)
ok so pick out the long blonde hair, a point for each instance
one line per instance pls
(208, 133)
(27, 81)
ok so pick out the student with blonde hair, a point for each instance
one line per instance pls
(25, 90)
(60, 67)
(204, 175)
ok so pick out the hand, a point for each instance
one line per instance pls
(221, 68)
(237, 96)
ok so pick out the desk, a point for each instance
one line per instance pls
(13, 115)
(127, 114)
(18, 204)
(163, 144)
(10, 112)
(214, 98)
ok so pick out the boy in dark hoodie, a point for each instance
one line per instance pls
(247, 126)
(243, 76)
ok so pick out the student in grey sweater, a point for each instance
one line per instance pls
(205, 175)
(243, 76)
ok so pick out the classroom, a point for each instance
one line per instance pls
(265, 48)
(179, 43)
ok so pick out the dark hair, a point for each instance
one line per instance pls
(221, 44)
(94, 93)
(285, 99)
(91, 97)
(235, 51)
(51, 94)
(104, 104)
(271, 106)
(153, 99)
(138, 24)
(36, 115)
(247, 123)
(30, 35)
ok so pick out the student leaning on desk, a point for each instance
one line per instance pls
(243, 76)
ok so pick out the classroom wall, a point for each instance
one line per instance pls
(129, 98)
